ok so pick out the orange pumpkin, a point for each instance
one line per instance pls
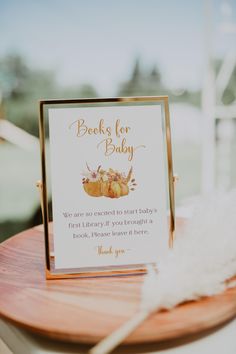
(115, 186)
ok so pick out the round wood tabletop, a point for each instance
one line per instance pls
(86, 310)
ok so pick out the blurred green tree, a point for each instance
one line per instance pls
(149, 82)
(21, 88)
(142, 83)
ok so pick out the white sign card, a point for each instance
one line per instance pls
(109, 184)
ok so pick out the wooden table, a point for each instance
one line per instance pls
(86, 310)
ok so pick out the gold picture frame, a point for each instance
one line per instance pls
(51, 273)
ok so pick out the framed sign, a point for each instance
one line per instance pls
(108, 166)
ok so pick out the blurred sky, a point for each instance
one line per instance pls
(97, 41)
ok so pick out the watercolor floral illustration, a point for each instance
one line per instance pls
(108, 183)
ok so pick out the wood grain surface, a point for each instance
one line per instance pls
(86, 310)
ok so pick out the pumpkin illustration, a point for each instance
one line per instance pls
(110, 184)
(93, 188)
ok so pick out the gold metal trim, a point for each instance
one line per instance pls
(42, 185)
(170, 173)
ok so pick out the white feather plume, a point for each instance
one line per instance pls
(203, 258)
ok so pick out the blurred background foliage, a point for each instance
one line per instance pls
(23, 83)
(22, 86)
